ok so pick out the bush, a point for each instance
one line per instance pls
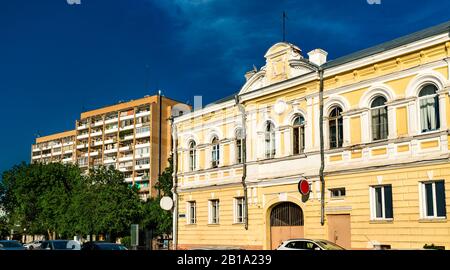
(126, 241)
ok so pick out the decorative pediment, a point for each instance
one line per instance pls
(283, 61)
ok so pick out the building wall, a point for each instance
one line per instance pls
(403, 160)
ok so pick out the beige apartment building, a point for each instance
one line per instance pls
(133, 137)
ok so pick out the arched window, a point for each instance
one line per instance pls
(192, 155)
(335, 124)
(378, 110)
(215, 152)
(239, 145)
(298, 135)
(269, 139)
(429, 108)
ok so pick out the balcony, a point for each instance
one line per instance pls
(125, 148)
(143, 134)
(98, 123)
(143, 155)
(57, 153)
(109, 160)
(129, 179)
(83, 136)
(143, 166)
(126, 169)
(109, 141)
(126, 117)
(37, 157)
(127, 138)
(109, 151)
(126, 158)
(36, 149)
(129, 127)
(142, 145)
(112, 120)
(56, 145)
(81, 146)
(93, 154)
(82, 126)
(111, 130)
(68, 151)
(96, 133)
(97, 143)
(67, 143)
(144, 113)
(67, 160)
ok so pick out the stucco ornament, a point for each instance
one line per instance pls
(280, 107)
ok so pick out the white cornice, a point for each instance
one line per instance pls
(408, 48)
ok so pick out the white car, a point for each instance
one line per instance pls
(33, 245)
(308, 244)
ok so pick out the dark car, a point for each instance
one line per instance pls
(11, 245)
(99, 245)
(58, 245)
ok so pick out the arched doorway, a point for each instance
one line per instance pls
(286, 222)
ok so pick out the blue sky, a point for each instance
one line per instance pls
(57, 60)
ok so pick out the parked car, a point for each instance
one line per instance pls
(100, 245)
(60, 245)
(11, 245)
(308, 244)
(33, 245)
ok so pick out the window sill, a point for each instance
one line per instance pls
(191, 224)
(213, 224)
(433, 220)
(238, 223)
(381, 221)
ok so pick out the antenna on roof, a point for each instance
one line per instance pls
(37, 134)
(284, 25)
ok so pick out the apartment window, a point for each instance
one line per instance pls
(379, 118)
(191, 212)
(269, 138)
(239, 210)
(239, 145)
(142, 129)
(192, 155)
(215, 152)
(429, 108)
(142, 151)
(433, 199)
(337, 192)
(298, 134)
(335, 123)
(381, 202)
(143, 161)
(213, 211)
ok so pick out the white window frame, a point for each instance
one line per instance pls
(373, 209)
(423, 200)
(236, 210)
(210, 211)
(188, 212)
(337, 197)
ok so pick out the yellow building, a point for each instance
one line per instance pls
(126, 135)
(386, 115)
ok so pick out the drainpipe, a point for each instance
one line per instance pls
(322, 154)
(244, 158)
(175, 185)
(159, 138)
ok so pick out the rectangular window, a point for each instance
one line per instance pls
(239, 150)
(433, 199)
(239, 210)
(337, 192)
(192, 212)
(213, 211)
(381, 202)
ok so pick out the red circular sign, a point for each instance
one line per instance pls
(303, 187)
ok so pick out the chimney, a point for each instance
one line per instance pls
(318, 56)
